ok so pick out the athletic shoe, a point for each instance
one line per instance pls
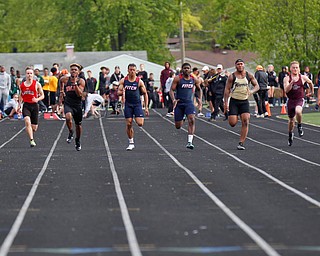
(70, 137)
(240, 146)
(290, 140)
(169, 115)
(200, 115)
(78, 145)
(190, 145)
(130, 147)
(32, 143)
(300, 131)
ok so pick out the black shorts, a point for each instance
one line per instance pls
(76, 112)
(8, 110)
(31, 110)
(238, 107)
(52, 98)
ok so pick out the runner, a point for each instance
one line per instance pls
(71, 90)
(184, 85)
(237, 88)
(131, 86)
(294, 88)
(30, 94)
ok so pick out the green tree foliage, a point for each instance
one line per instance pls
(38, 26)
(278, 30)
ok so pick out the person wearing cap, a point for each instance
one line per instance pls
(294, 86)
(133, 87)
(216, 89)
(262, 78)
(238, 90)
(114, 98)
(184, 86)
(72, 88)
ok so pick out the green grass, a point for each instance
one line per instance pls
(308, 118)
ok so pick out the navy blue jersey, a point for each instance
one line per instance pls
(185, 89)
(132, 91)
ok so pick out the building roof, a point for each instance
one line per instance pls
(45, 59)
(211, 58)
(122, 61)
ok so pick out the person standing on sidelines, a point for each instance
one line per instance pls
(71, 90)
(30, 94)
(294, 88)
(237, 88)
(183, 85)
(132, 87)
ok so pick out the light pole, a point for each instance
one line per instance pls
(182, 45)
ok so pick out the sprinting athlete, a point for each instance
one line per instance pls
(237, 88)
(71, 90)
(132, 87)
(184, 86)
(30, 93)
(294, 88)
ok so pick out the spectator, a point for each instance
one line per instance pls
(12, 106)
(91, 83)
(272, 82)
(262, 79)
(167, 99)
(14, 87)
(92, 100)
(104, 81)
(53, 87)
(310, 76)
(153, 102)
(217, 90)
(45, 87)
(197, 103)
(208, 80)
(117, 75)
(143, 75)
(284, 72)
(5, 85)
(114, 98)
(165, 73)
(42, 106)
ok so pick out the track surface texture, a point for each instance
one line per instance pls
(161, 199)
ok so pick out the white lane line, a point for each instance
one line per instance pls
(263, 144)
(131, 236)
(284, 134)
(249, 231)
(286, 123)
(5, 247)
(12, 138)
(281, 183)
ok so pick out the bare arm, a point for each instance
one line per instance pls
(197, 83)
(306, 79)
(143, 90)
(40, 92)
(255, 84)
(227, 91)
(79, 87)
(121, 89)
(286, 85)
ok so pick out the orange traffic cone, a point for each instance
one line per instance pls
(283, 109)
(268, 108)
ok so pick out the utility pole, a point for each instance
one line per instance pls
(182, 45)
